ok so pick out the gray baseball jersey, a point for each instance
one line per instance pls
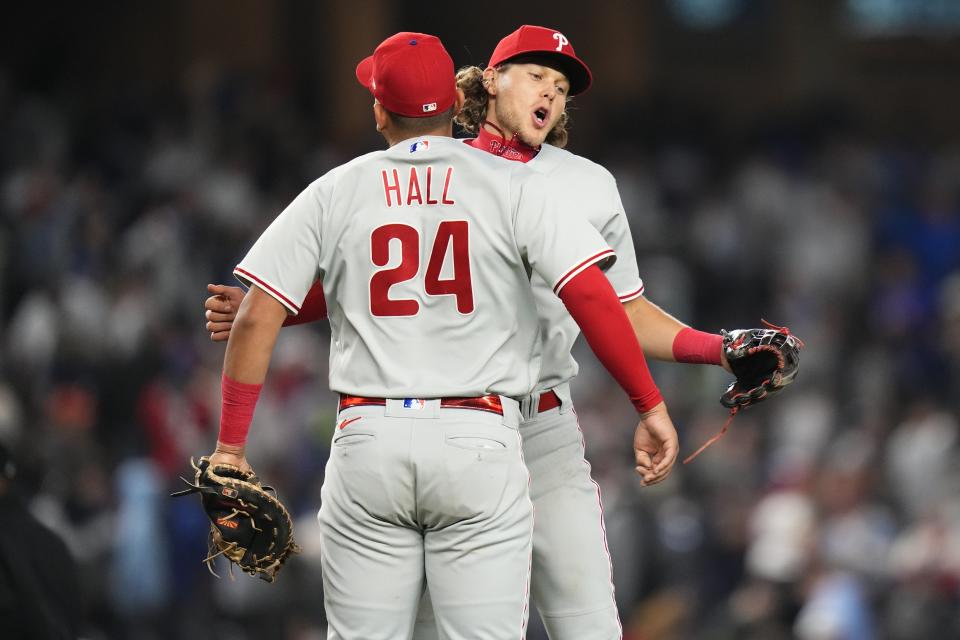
(589, 192)
(569, 534)
(425, 251)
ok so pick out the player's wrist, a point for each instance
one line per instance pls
(648, 402)
(698, 347)
(238, 450)
(238, 402)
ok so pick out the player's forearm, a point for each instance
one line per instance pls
(654, 327)
(246, 362)
(594, 305)
(665, 338)
(252, 337)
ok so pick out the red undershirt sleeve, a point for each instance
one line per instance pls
(314, 307)
(238, 401)
(594, 305)
(697, 347)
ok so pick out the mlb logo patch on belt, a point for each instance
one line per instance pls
(413, 403)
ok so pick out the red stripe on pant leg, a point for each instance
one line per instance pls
(603, 526)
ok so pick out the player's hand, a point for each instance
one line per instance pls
(232, 455)
(655, 445)
(221, 309)
(724, 362)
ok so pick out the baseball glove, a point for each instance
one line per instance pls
(248, 525)
(764, 361)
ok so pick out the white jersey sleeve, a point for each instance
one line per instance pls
(624, 275)
(284, 260)
(554, 242)
(588, 193)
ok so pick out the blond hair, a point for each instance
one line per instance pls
(476, 99)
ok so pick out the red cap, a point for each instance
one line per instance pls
(410, 74)
(543, 41)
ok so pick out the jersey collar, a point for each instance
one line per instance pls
(498, 145)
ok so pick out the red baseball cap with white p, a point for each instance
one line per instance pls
(549, 43)
(410, 74)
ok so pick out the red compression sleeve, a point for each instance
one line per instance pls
(314, 307)
(239, 399)
(594, 305)
(697, 347)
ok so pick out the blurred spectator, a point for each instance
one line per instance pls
(828, 512)
(40, 592)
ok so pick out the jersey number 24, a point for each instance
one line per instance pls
(450, 233)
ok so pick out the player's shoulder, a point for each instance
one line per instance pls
(359, 162)
(554, 161)
(329, 179)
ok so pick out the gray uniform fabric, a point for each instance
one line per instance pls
(571, 583)
(415, 493)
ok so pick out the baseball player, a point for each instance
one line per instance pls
(425, 253)
(516, 107)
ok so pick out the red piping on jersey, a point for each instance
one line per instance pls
(286, 301)
(498, 145)
(627, 297)
(591, 301)
(580, 267)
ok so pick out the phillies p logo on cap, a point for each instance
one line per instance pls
(544, 43)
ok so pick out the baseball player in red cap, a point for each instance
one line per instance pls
(425, 252)
(516, 108)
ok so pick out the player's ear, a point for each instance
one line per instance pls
(490, 81)
(381, 116)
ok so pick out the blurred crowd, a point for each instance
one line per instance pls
(831, 512)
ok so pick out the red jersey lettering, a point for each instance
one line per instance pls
(388, 188)
(446, 187)
(429, 180)
(461, 284)
(413, 186)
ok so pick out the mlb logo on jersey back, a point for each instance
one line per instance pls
(413, 403)
(420, 145)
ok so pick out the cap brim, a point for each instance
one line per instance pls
(365, 72)
(578, 74)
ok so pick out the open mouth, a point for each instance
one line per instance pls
(540, 117)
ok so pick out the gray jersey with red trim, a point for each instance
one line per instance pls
(426, 252)
(588, 192)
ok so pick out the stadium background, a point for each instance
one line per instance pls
(797, 161)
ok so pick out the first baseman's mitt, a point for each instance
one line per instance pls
(764, 361)
(249, 526)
